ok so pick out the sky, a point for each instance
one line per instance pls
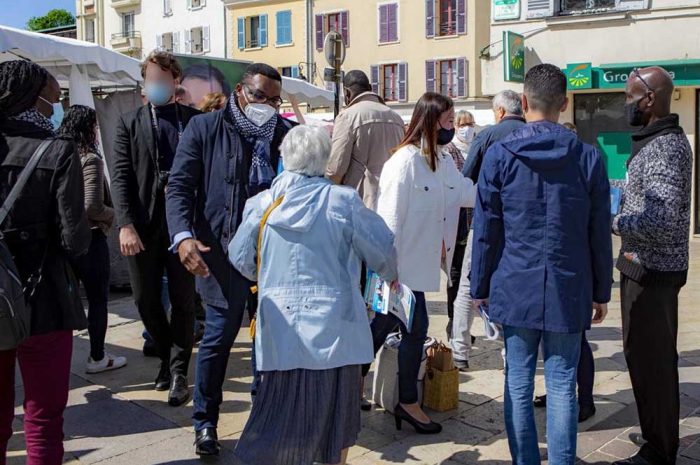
(15, 13)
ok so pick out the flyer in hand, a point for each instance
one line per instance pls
(381, 299)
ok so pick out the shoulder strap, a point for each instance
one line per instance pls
(263, 221)
(22, 179)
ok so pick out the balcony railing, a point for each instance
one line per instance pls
(126, 35)
(127, 42)
(125, 3)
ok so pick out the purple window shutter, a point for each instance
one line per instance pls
(429, 18)
(374, 73)
(319, 32)
(345, 27)
(430, 76)
(461, 77)
(383, 24)
(403, 76)
(393, 21)
(461, 16)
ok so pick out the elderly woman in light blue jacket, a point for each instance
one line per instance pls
(312, 332)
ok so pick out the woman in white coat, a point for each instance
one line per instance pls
(420, 194)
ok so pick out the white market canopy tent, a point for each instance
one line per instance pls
(306, 93)
(79, 66)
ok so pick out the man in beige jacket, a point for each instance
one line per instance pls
(364, 134)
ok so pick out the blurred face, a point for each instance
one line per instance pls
(159, 84)
(198, 88)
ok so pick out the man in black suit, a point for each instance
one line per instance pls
(144, 150)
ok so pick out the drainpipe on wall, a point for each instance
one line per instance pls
(310, 72)
(225, 29)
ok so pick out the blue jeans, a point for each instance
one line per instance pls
(561, 355)
(410, 350)
(220, 330)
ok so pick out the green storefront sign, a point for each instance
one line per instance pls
(579, 76)
(615, 75)
(506, 9)
(513, 57)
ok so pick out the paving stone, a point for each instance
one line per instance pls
(620, 449)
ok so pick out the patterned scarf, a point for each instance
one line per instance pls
(260, 137)
(33, 116)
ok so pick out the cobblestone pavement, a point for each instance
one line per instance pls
(116, 418)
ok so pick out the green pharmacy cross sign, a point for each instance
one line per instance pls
(579, 76)
(513, 57)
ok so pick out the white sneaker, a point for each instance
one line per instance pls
(108, 362)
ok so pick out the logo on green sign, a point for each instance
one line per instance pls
(579, 76)
(514, 57)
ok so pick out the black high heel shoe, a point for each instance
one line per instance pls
(401, 415)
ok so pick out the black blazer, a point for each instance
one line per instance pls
(133, 166)
(48, 218)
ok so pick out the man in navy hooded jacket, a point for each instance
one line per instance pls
(542, 260)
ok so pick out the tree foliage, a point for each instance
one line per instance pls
(54, 18)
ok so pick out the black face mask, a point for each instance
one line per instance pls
(445, 136)
(635, 116)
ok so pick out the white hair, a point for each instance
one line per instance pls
(305, 150)
(509, 101)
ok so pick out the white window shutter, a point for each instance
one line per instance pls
(188, 41)
(295, 72)
(189, 4)
(176, 42)
(631, 4)
(540, 8)
(205, 39)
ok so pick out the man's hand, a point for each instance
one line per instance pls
(476, 303)
(189, 252)
(129, 241)
(601, 311)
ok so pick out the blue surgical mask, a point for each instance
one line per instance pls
(158, 93)
(57, 114)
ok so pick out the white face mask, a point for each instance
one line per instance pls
(466, 133)
(258, 113)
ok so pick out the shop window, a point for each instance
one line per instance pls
(574, 6)
(600, 121)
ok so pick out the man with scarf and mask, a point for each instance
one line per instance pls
(144, 149)
(654, 223)
(224, 158)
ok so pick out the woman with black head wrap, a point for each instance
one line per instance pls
(45, 227)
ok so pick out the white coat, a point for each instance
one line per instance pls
(421, 207)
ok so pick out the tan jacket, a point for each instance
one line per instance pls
(363, 137)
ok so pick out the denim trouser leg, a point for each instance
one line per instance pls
(220, 330)
(463, 314)
(561, 354)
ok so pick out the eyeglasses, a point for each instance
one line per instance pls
(636, 72)
(259, 97)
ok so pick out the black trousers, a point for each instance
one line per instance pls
(455, 277)
(174, 338)
(650, 329)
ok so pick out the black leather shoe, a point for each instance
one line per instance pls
(540, 401)
(634, 460)
(365, 405)
(637, 439)
(584, 413)
(207, 442)
(179, 391)
(164, 378)
(401, 415)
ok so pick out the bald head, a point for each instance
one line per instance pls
(649, 90)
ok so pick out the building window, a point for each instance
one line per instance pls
(90, 30)
(328, 22)
(289, 71)
(448, 77)
(284, 27)
(252, 32)
(448, 18)
(445, 17)
(576, 6)
(128, 24)
(388, 23)
(166, 42)
(167, 7)
(197, 40)
(389, 81)
(195, 4)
